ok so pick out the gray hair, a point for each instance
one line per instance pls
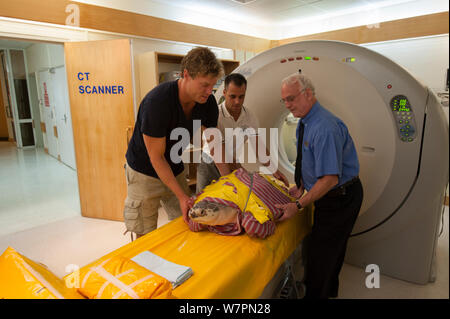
(302, 80)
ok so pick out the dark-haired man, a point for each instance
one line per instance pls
(232, 114)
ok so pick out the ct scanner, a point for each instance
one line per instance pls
(401, 136)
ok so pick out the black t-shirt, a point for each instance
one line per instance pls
(160, 112)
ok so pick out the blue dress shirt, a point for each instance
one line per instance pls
(328, 148)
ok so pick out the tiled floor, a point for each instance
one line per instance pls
(40, 217)
(35, 189)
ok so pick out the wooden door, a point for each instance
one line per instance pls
(101, 100)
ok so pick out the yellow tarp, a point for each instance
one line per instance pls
(223, 266)
(21, 278)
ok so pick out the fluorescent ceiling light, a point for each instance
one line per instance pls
(243, 1)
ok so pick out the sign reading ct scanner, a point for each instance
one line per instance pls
(97, 89)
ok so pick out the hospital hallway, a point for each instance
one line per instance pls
(40, 218)
(35, 189)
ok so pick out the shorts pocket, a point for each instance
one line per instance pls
(132, 215)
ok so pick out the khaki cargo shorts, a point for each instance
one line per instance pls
(145, 195)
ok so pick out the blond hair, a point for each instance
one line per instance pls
(201, 61)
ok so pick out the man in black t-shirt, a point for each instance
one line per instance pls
(154, 170)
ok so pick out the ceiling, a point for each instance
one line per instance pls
(274, 12)
(277, 19)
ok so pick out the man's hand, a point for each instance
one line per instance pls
(289, 210)
(235, 166)
(186, 203)
(296, 192)
(281, 177)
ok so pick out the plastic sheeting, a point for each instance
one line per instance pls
(223, 267)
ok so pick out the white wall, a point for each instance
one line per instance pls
(37, 57)
(56, 54)
(42, 56)
(425, 58)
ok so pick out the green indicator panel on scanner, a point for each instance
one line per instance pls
(400, 104)
(404, 106)
(404, 118)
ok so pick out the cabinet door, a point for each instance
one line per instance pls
(99, 80)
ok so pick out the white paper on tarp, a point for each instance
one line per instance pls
(176, 274)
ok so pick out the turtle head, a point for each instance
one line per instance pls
(210, 213)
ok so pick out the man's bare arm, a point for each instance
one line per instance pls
(156, 147)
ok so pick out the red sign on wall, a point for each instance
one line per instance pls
(46, 99)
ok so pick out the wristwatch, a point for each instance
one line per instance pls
(299, 206)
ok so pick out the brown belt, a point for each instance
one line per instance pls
(341, 190)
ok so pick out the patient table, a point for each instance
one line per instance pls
(224, 267)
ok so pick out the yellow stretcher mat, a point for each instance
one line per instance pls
(223, 266)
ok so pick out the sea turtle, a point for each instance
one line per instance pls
(210, 213)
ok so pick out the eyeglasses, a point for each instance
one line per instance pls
(291, 98)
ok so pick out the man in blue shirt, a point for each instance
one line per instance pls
(327, 167)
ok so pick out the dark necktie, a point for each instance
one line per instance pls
(298, 161)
